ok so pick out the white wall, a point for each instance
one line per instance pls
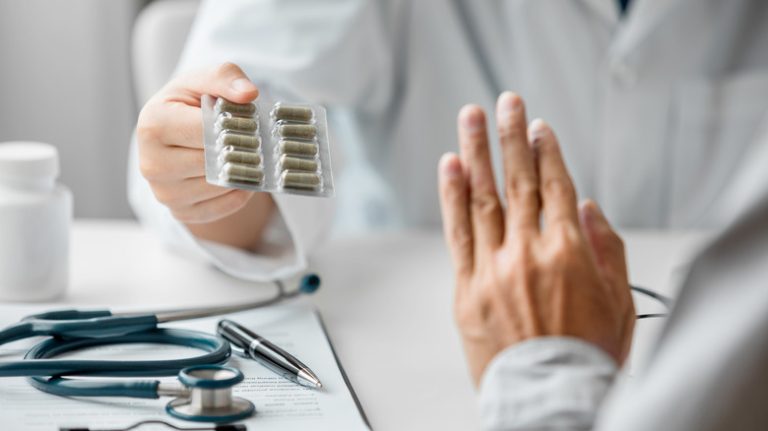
(65, 78)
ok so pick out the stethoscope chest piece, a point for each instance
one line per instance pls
(210, 395)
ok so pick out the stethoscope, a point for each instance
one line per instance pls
(205, 393)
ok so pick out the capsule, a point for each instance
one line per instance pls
(303, 114)
(241, 173)
(297, 163)
(227, 121)
(244, 109)
(297, 148)
(300, 180)
(297, 131)
(230, 154)
(238, 140)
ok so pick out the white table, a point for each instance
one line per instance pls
(386, 301)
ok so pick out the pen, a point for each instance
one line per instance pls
(276, 359)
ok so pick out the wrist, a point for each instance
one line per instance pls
(242, 229)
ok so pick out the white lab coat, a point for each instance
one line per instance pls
(655, 112)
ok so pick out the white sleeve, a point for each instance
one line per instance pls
(334, 52)
(301, 48)
(548, 383)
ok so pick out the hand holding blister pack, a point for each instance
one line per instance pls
(278, 148)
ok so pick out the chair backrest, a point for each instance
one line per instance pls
(159, 35)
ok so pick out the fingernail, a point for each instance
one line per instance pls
(471, 118)
(509, 103)
(451, 166)
(537, 129)
(242, 85)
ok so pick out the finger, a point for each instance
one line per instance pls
(628, 334)
(160, 164)
(521, 182)
(607, 249)
(213, 209)
(187, 130)
(558, 195)
(169, 124)
(606, 245)
(226, 80)
(485, 208)
(181, 194)
(454, 203)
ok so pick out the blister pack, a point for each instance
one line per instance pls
(278, 148)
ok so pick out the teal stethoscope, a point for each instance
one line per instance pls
(205, 393)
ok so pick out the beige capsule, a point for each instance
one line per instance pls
(229, 154)
(240, 109)
(236, 124)
(297, 131)
(241, 173)
(297, 163)
(238, 140)
(298, 113)
(298, 148)
(300, 180)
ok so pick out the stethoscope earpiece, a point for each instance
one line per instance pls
(210, 395)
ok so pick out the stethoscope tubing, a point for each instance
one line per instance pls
(39, 367)
(71, 330)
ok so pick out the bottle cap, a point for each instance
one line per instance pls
(28, 161)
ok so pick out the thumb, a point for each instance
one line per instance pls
(226, 80)
(607, 247)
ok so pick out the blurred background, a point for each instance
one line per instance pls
(73, 75)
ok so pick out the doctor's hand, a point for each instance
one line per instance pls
(170, 139)
(520, 276)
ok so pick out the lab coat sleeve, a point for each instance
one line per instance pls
(333, 52)
(299, 50)
(548, 383)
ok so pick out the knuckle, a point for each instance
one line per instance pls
(510, 130)
(151, 170)
(568, 236)
(521, 188)
(559, 187)
(148, 130)
(485, 203)
(564, 241)
(472, 310)
(524, 261)
(461, 237)
(227, 69)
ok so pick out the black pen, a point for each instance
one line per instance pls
(276, 359)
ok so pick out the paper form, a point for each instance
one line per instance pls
(280, 404)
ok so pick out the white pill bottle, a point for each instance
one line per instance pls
(35, 218)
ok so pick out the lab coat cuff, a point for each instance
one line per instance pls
(299, 225)
(276, 257)
(545, 383)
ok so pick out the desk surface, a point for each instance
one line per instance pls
(381, 294)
